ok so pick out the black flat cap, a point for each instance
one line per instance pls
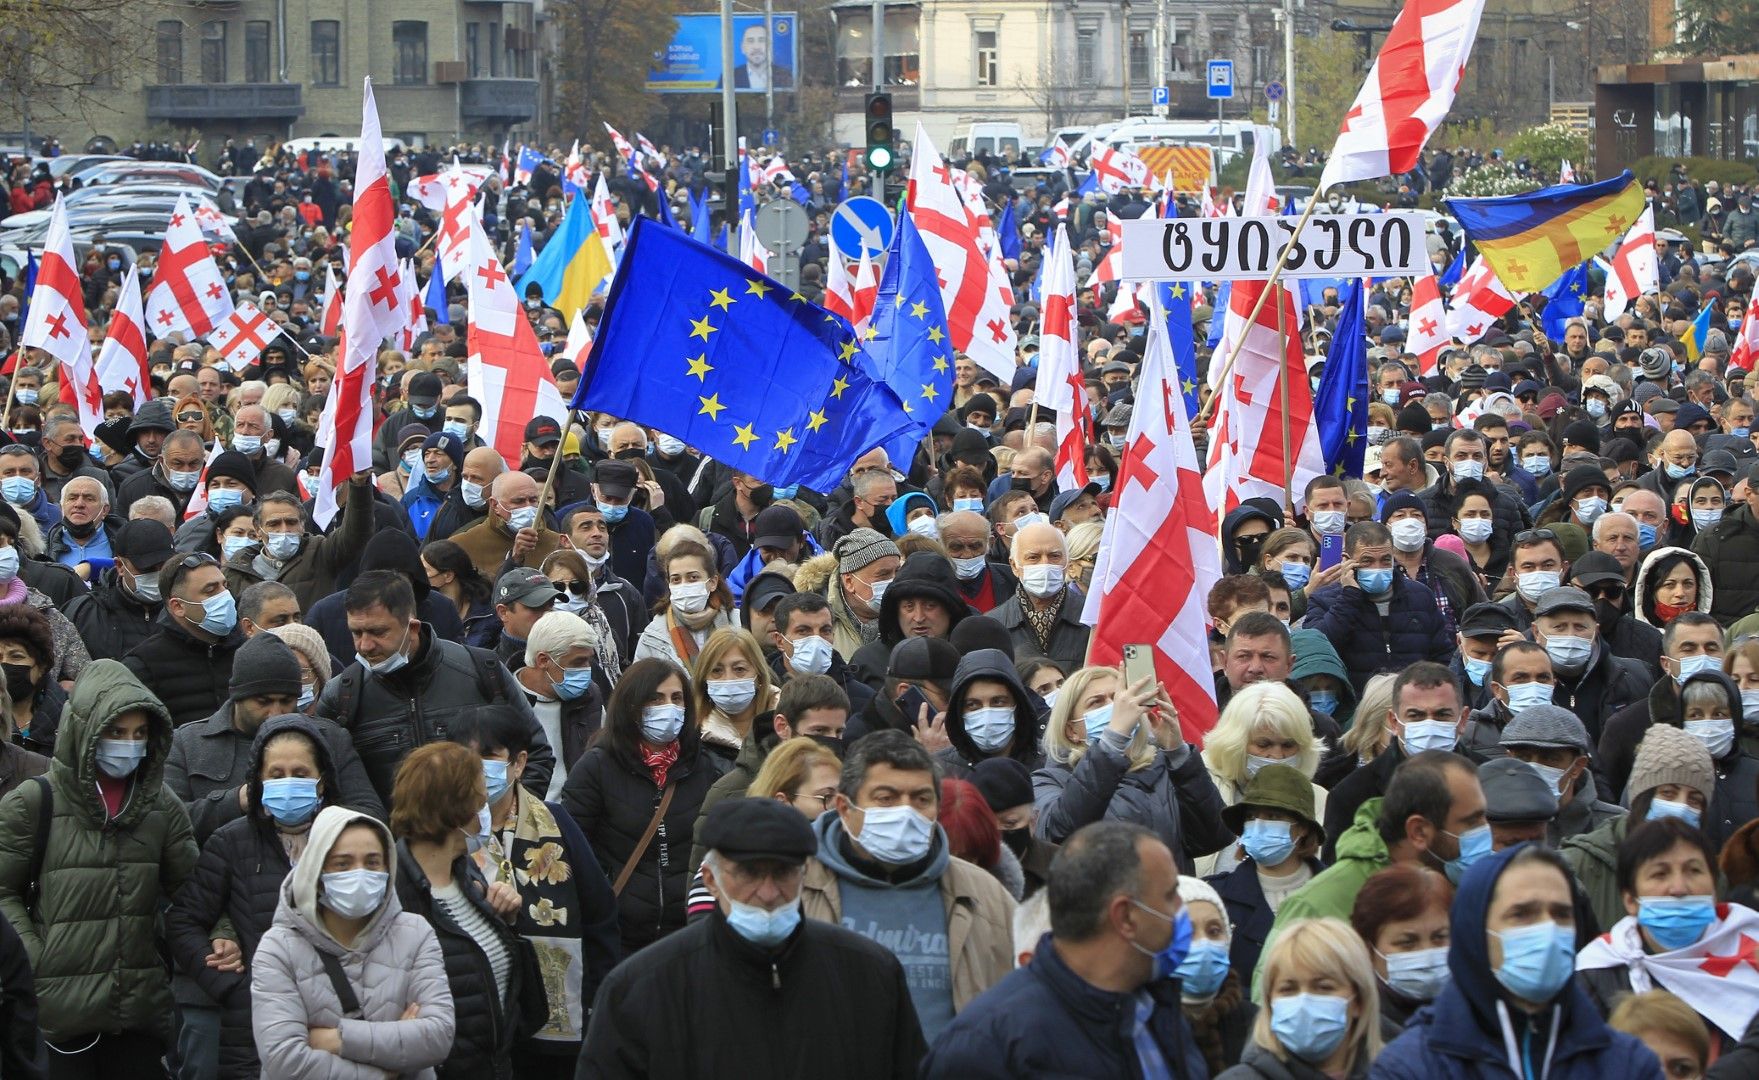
(743, 829)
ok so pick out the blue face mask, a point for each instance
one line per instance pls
(1375, 582)
(574, 684)
(1204, 969)
(18, 490)
(424, 413)
(1095, 721)
(1477, 670)
(613, 514)
(458, 429)
(291, 800)
(220, 499)
(1475, 844)
(1168, 959)
(1645, 535)
(1268, 843)
(787, 492)
(1678, 472)
(1537, 961)
(1740, 432)
(302, 275)
(973, 505)
(765, 929)
(1310, 1026)
(495, 778)
(1323, 701)
(1296, 574)
(523, 518)
(1666, 808)
(219, 613)
(1676, 921)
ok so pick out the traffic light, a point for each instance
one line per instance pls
(880, 134)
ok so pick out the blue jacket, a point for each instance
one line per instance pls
(1412, 629)
(1460, 1034)
(422, 500)
(1249, 912)
(1044, 1020)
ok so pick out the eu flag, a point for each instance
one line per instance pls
(1341, 402)
(908, 338)
(699, 345)
(665, 215)
(1008, 232)
(699, 217)
(1564, 300)
(1455, 270)
(436, 298)
(522, 252)
(1175, 304)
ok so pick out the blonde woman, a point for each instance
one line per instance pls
(1083, 543)
(1263, 724)
(1115, 753)
(732, 686)
(1368, 734)
(1321, 1014)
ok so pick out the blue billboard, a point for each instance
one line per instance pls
(692, 62)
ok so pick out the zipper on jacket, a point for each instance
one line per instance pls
(775, 976)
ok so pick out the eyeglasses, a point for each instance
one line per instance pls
(824, 797)
(578, 588)
(190, 418)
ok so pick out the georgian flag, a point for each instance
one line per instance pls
(188, 294)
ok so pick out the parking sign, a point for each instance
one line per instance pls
(1221, 78)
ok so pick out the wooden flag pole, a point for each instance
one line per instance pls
(1282, 333)
(543, 497)
(1276, 274)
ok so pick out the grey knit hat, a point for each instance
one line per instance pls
(265, 664)
(861, 548)
(1548, 726)
(1668, 755)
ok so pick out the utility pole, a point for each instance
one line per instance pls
(769, 88)
(878, 177)
(1289, 73)
(1124, 47)
(1160, 45)
(729, 114)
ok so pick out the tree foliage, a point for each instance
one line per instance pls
(1715, 27)
(602, 64)
(1329, 69)
(1547, 145)
(66, 57)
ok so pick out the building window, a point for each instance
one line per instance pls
(410, 64)
(1087, 55)
(987, 73)
(473, 49)
(1261, 70)
(169, 35)
(494, 50)
(902, 60)
(326, 52)
(214, 51)
(1179, 48)
(1139, 55)
(256, 51)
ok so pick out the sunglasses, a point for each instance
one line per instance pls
(578, 588)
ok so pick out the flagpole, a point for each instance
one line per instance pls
(6, 413)
(1282, 333)
(555, 466)
(1275, 276)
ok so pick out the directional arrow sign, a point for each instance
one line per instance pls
(862, 224)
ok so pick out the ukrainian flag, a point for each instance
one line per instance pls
(1531, 240)
(1695, 336)
(572, 265)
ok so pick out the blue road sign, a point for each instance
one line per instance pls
(1162, 96)
(771, 137)
(862, 223)
(1273, 90)
(1221, 78)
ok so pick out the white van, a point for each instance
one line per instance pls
(994, 137)
(336, 143)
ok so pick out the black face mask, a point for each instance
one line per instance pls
(1249, 547)
(1020, 483)
(630, 454)
(833, 743)
(81, 532)
(18, 682)
(69, 457)
(762, 495)
(1607, 614)
(1018, 840)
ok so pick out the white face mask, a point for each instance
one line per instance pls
(691, 598)
(1043, 581)
(1409, 534)
(925, 526)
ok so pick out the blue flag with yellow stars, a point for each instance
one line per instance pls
(1175, 301)
(1341, 402)
(704, 348)
(1564, 300)
(908, 339)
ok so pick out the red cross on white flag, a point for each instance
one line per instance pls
(1158, 556)
(751, 250)
(1060, 385)
(188, 294)
(1116, 168)
(508, 374)
(122, 358)
(1635, 270)
(242, 335)
(1427, 330)
(839, 287)
(1477, 302)
(865, 293)
(56, 322)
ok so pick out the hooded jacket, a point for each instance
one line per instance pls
(1643, 592)
(312, 571)
(1315, 655)
(1731, 547)
(923, 576)
(394, 962)
(1461, 1034)
(92, 933)
(959, 759)
(1736, 798)
(1241, 514)
(239, 878)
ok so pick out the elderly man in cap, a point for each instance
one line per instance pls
(119, 611)
(1519, 805)
(522, 597)
(866, 563)
(1483, 628)
(632, 529)
(1591, 681)
(752, 961)
(1602, 577)
(423, 408)
(1554, 744)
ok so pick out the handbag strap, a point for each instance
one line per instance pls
(647, 836)
(339, 982)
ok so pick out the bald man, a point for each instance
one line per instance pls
(513, 532)
(1676, 459)
(984, 583)
(468, 502)
(1044, 615)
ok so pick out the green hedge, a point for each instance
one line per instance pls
(1700, 169)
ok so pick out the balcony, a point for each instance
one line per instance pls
(497, 101)
(199, 102)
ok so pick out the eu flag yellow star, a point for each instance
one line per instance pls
(816, 419)
(935, 335)
(710, 405)
(1178, 290)
(871, 332)
(756, 288)
(940, 364)
(929, 392)
(744, 436)
(797, 297)
(848, 350)
(841, 384)
(701, 328)
(721, 298)
(699, 366)
(918, 309)
(785, 439)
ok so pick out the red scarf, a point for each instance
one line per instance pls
(658, 761)
(1669, 612)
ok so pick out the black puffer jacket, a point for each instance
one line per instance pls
(486, 1026)
(110, 620)
(1731, 550)
(192, 677)
(924, 576)
(960, 758)
(238, 878)
(612, 797)
(1508, 513)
